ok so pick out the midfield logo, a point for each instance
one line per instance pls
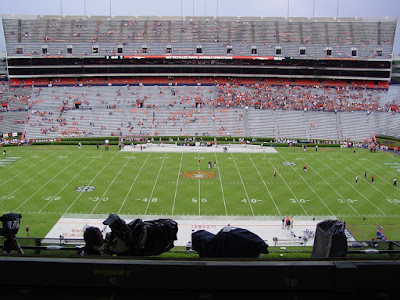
(199, 175)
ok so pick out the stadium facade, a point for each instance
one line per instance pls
(313, 53)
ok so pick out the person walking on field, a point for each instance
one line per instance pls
(356, 179)
(372, 178)
(395, 182)
(274, 173)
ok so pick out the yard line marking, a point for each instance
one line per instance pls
(294, 196)
(29, 168)
(316, 172)
(176, 184)
(80, 194)
(38, 190)
(111, 183)
(244, 187)
(351, 184)
(266, 187)
(67, 184)
(220, 182)
(382, 178)
(155, 184)
(133, 183)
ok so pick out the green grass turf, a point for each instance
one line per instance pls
(41, 185)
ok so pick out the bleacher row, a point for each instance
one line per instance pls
(52, 112)
(15, 82)
(372, 37)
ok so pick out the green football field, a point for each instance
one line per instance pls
(45, 182)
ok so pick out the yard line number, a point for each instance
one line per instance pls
(394, 201)
(251, 200)
(147, 199)
(202, 200)
(351, 201)
(301, 200)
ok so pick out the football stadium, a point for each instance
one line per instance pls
(187, 145)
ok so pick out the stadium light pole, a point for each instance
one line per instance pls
(313, 9)
(110, 8)
(181, 9)
(61, 7)
(193, 8)
(288, 8)
(84, 7)
(205, 7)
(217, 8)
(337, 9)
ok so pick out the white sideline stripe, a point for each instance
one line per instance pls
(38, 190)
(177, 183)
(340, 195)
(66, 185)
(353, 186)
(80, 194)
(287, 185)
(302, 177)
(244, 187)
(111, 183)
(220, 182)
(133, 183)
(155, 184)
(266, 187)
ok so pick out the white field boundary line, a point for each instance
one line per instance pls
(60, 172)
(133, 183)
(383, 179)
(362, 195)
(80, 194)
(316, 172)
(111, 183)
(66, 185)
(155, 184)
(13, 192)
(177, 184)
(23, 171)
(220, 182)
(287, 185)
(244, 187)
(266, 187)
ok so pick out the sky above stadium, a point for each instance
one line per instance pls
(263, 8)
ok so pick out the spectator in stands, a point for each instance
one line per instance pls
(93, 241)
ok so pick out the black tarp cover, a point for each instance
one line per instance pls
(228, 242)
(330, 240)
